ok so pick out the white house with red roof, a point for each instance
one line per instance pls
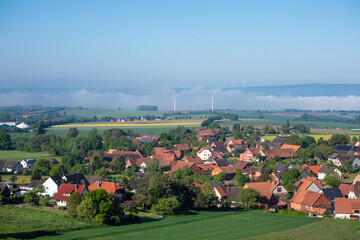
(66, 190)
(204, 153)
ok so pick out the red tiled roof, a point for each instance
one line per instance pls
(346, 205)
(193, 159)
(307, 198)
(295, 148)
(181, 165)
(109, 187)
(113, 151)
(264, 188)
(315, 168)
(240, 165)
(221, 190)
(346, 188)
(66, 189)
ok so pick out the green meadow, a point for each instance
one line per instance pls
(197, 225)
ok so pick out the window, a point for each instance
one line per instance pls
(278, 189)
(357, 211)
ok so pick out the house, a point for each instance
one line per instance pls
(204, 153)
(4, 190)
(109, 187)
(194, 159)
(266, 189)
(52, 185)
(218, 147)
(309, 184)
(53, 161)
(166, 153)
(355, 193)
(112, 154)
(295, 148)
(277, 142)
(253, 172)
(240, 165)
(309, 201)
(324, 170)
(215, 183)
(76, 178)
(141, 163)
(305, 171)
(250, 154)
(281, 167)
(35, 183)
(347, 208)
(93, 179)
(185, 147)
(228, 170)
(342, 158)
(220, 193)
(233, 194)
(279, 153)
(28, 163)
(356, 179)
(13, 166)
(181, 164)
(346, 189)
(66, 190)
(277, 176)
(331, 194)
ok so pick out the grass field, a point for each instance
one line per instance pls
(28, 222)
(316, 136)
(19, 155)
(142, 129)
(203, 225)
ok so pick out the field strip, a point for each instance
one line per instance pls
(126, 125)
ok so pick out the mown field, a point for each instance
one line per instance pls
(19, 155)
(28, 222)
(199, 225)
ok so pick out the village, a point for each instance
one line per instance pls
(220, 170)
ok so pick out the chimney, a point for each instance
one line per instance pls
(75, 187)
(98, 184)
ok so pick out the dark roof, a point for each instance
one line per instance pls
(280, 140)
(233, 194)
(93, 179)
(222, 162)
(77, 178)
(334, 155)
(57, 180)
(219, 147)
(10, 164)
(215, 183)
(150, 140)
(326, 169)
(332, 193)
(35, 183)
(279, 167)
(344, 148)
(53, 161)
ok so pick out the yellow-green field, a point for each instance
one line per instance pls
(316, 136)
(128, 124)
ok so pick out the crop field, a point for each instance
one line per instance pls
(199, 225)
(108, 112)
(316, 136)
(19, 155)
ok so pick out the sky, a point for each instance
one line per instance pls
(52, 49)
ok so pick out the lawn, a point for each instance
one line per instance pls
(320, 230)
(19, 155)
(199, 225)
(27, 222)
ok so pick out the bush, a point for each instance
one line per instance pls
(44, 202)
(101, 218)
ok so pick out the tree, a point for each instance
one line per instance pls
(102, 172)
(13, 178)
(152, 166)
(301, 128)
(219, 176)
(308, 141)
(294, 140)
(263, 177)
(142, 195)
(267, 129)
(32, 198)
(147, 108)
(42, 167)
(290, 177)
(332, 179)
(166, 205)
(236, 127)
(249, 198)
(205, 198)
(73, 202)
(130, 206)
(5, 141)
(240, 178)
(338, 139)
(73, 132)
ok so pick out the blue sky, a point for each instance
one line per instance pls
(147, 45)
